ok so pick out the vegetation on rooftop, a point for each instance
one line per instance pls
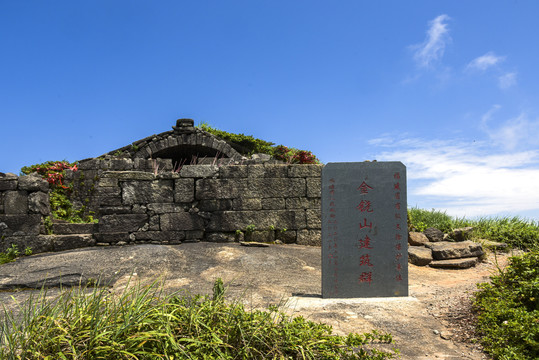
(248, 145)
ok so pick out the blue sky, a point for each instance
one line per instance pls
(449, 88)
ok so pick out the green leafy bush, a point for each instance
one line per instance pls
(248, 145)
(60, 191)
(12, 253)
(508, 310)
(143, 323)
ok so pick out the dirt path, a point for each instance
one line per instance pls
(433, 323)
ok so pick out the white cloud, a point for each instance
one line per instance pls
(514, 133)
(507, 80)
(433, 47)
(467, 179)
(484, 62)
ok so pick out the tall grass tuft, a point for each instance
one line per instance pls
(144, 323)
(515, 231)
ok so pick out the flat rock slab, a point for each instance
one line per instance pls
(419, 255)
(445, 250)
(454, 263)
(257, 276)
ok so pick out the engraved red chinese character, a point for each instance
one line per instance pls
(396, 176)
(369, 225)
(365, 243)
(397, 186)
(365, 260)
(365, 205)
(365, 277)
(364, 188)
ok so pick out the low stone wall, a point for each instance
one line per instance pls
(24, 201)
(211, 203)
(263, 202)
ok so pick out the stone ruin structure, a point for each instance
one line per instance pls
(181, 185)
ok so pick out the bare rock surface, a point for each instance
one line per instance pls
(417, 238)
(445, 250)
(424, 325)
(419, 255)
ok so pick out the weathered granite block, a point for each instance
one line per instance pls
(184, 190)
(181, 221)
(314, 187)
(246, 204)
(121, 164)
(233, 171)
(303, 203)
(249, 188)
(220, 237)
(68, 242)
(33, 182)
(21, 225)
(255, 171)
(108, 182)
(309, 237)
(163, 208)
(108, 210)
(314, 219)
(275, 171)
(38, 202)
(111, 238)
(305, 170)
(143, 192)
(260, 236)
(161, 236)
(194, 235)
(199, 171)
(122, 223)
(287, 237)
(129, 175)
(273, 204)
(38, 243)
(215, 205)
(262, 219)
(16, 202)
(8, 184)
(74, 228)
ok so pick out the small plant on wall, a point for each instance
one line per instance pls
(60, 190)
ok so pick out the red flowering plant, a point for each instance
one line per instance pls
(54, 173)
(294, 156)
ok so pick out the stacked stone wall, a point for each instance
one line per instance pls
(24, 202)
(265, 202)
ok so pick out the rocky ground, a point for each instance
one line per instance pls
(434, 322)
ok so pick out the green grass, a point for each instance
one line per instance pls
(12, 253)
(508, 310)
(144, 323)
(515, 231)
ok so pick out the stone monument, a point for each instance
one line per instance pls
(364, 230)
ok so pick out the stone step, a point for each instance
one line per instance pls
(68, 242)
(445, 250)
(65, 228)
(464, 263)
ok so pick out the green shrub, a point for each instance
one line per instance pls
(248, 145)
(12, 253)
(143, 323)
(60, 191)
(508, 310)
